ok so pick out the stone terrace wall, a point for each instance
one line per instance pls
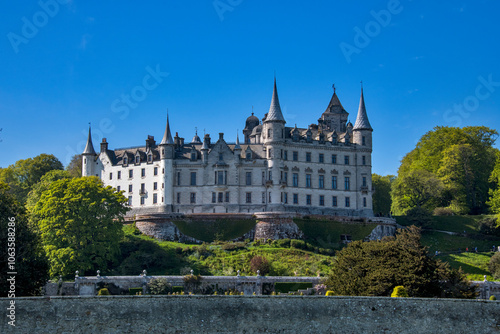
(256, 314)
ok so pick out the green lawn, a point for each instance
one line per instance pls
(474, 264)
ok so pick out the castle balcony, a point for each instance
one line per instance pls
(142, 192)
(364, 189)
(283, 183)
(269, 183)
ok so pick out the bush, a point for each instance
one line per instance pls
(177, 289)
(329, 293)
(286, 287)
(419, 216)
(489, 226)
(399, 291)
(159, 286)
(135, 291)
(260, 263)
(492, 297)
(299, 244)
(283, 243)
(494, 266)
(103, 292)
(443, 212)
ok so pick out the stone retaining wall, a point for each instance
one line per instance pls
(249, 314)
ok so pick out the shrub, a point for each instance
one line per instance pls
(135, 291)
(489, 226)
(159, 286)
(443, 212)
(103, 292)
(399, 291)
(192, 283)
(299, 244)
(494, 265)
(329, 293)
(177, 289)
(419, 216)
(283, 243)
(286, 287)
(260, 263)
(492, 297)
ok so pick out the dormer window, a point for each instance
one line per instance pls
(221, 156)
(125, 160)
(249, 156)
(193, 156)
(150, 157)
(137, 159)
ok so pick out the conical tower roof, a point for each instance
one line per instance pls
(362, 122)
(167, 136)
(89, 148)
(335, 106)
(274, 113)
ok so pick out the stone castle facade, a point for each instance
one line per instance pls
(324, 168)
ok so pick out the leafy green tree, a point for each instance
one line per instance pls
(31, 264)
(382, 196)
(44, 183)
(80, 222)
(462, 158)
(75, 166)
(418, 188)
(375, 268)
(24, 174)
(494, 192)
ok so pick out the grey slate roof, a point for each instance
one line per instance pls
(167, 136)
(362, 122)
(89, 148)
(274, 113)
(335, 105)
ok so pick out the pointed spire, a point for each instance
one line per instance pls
(362, 122)
(335, 106)
(167, 136)
(274, 113)
(89, 148)
(237, 146)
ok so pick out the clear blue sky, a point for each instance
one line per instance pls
(423, 64)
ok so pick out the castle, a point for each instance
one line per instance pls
(322, 169)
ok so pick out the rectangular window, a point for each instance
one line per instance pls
(155, 198)
(193, 178)
(220, 197)
(143, 172)
(248, 198)
(130, 173)
(334, 182)
(270, 175)
(155, 185)
(321, 158)
(321, 182)
(270, 197)
(364, 202)
(248, 178)
(221, 177)
(285, 198)
(295, 198)
(178, 198)
(130, 201)
(227, 196)
(143, 199)
(347, 183)
(308, 180)
(263, 198)
(295, 156)
(143, 188)
(155, 171)
(119, 175)
(118, 188)
(137, 159)
(321, 200)
(263, 177)
(346, 160)
(334, 200)
(363, 160)
(111, 176)
(285, 155)
(308, 156)
(363, 141)
(162, 185)
(347, 202)
(334, 158)
(295, 179)
(214, 197)
(178, 178)
(129, 188)
(308, 199)
(364, 181)
(192, 198)
(285, 177)
(270, 153)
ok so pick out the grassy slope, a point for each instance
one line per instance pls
(217, 230)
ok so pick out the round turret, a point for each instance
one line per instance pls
(251, 122)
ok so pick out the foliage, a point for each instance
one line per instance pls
(74, 168)
(492, 297)
(419, 216)
(494, 201)
(261, 264)
(135, 291)
(382, 201)
(103, 292)
(374, 268)
(44, 183)
(453, 283)
(24, 174)
(192, 283)
(286, 287)
(159, 286)
(81, 225)
(31, 264)
(494, 265)
(461, 158)
(399, 291)
(418, 188)
(489, 226)
(329, 293)
(440, 211)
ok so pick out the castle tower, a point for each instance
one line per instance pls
(362, 130)
(167, 165)
(273, 134)
(335, 116)
(89, 157)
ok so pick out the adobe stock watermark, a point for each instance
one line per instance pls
(372, 29)
(11, 270)
(461, 111)
(31, 27)
(222, 6)
(121, 106)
